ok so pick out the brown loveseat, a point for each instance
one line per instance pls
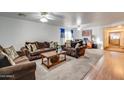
(22, 70)
(75, 52)
(41, 47)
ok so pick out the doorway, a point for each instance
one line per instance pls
(114, 39)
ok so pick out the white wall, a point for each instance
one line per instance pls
(96, 30)
(17, 32)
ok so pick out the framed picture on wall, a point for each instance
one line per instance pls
(87, 32)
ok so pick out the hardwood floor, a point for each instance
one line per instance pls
(110, 67)
(116, 49)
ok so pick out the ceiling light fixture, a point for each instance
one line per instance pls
(78, 28)
(44, 20)
(119, 26)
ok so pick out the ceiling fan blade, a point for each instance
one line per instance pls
(50, 17)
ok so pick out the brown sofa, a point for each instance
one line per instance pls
(22, 70)
(41, 47)
(75, 52)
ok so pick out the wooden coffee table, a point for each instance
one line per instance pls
(50, 55)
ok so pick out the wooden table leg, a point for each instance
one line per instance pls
(48, 62)
(42, 60)
(65, 57)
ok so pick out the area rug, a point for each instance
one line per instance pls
(72, 69)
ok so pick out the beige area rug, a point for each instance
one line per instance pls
(72, 69)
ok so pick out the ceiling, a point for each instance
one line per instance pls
(70, 18)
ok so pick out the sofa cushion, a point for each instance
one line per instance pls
(47, 49)
(11, 52)
(9, 58)
(39, 51)
(2, 49)
(68, 43)
(46, 44)
(73, 44)
(52, 44)
(28, 46)
(77, 45)
(4, 61)
(33, 46)
(39, 45)
(21, 59)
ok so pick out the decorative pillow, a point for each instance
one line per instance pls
(52, 44)
(68, 43)
(2, 49)
(8, 58)
(89, 45)
(4, 61)
(11, 52)
(34, 48)
(29, 47)
(77, 45)
(55, 44)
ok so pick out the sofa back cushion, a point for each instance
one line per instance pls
(68, 43)
(4, 61)
(73, 44)
(46, 44)
(2, 49)
(52, 45)
(38, 45)
(5, 58)
(34, 48)
(77, 45)
(11, 52)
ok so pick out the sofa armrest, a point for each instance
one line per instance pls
(25, 51)
(20, 53)
(23, 71)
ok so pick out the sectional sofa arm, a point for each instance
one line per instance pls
(23, 71)
(25, 51)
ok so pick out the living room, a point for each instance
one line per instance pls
(53, 42)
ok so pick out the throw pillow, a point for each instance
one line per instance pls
(8, 58)
(89, 44)
(68, 43)
(77, 45)
(2, 49)
(55, 44)
(4, 61)
(28, 46)
(11, 52)
(52, 44)
(34, 48)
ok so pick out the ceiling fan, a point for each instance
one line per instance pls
(45, 16)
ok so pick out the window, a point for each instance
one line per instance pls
(68, 35)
